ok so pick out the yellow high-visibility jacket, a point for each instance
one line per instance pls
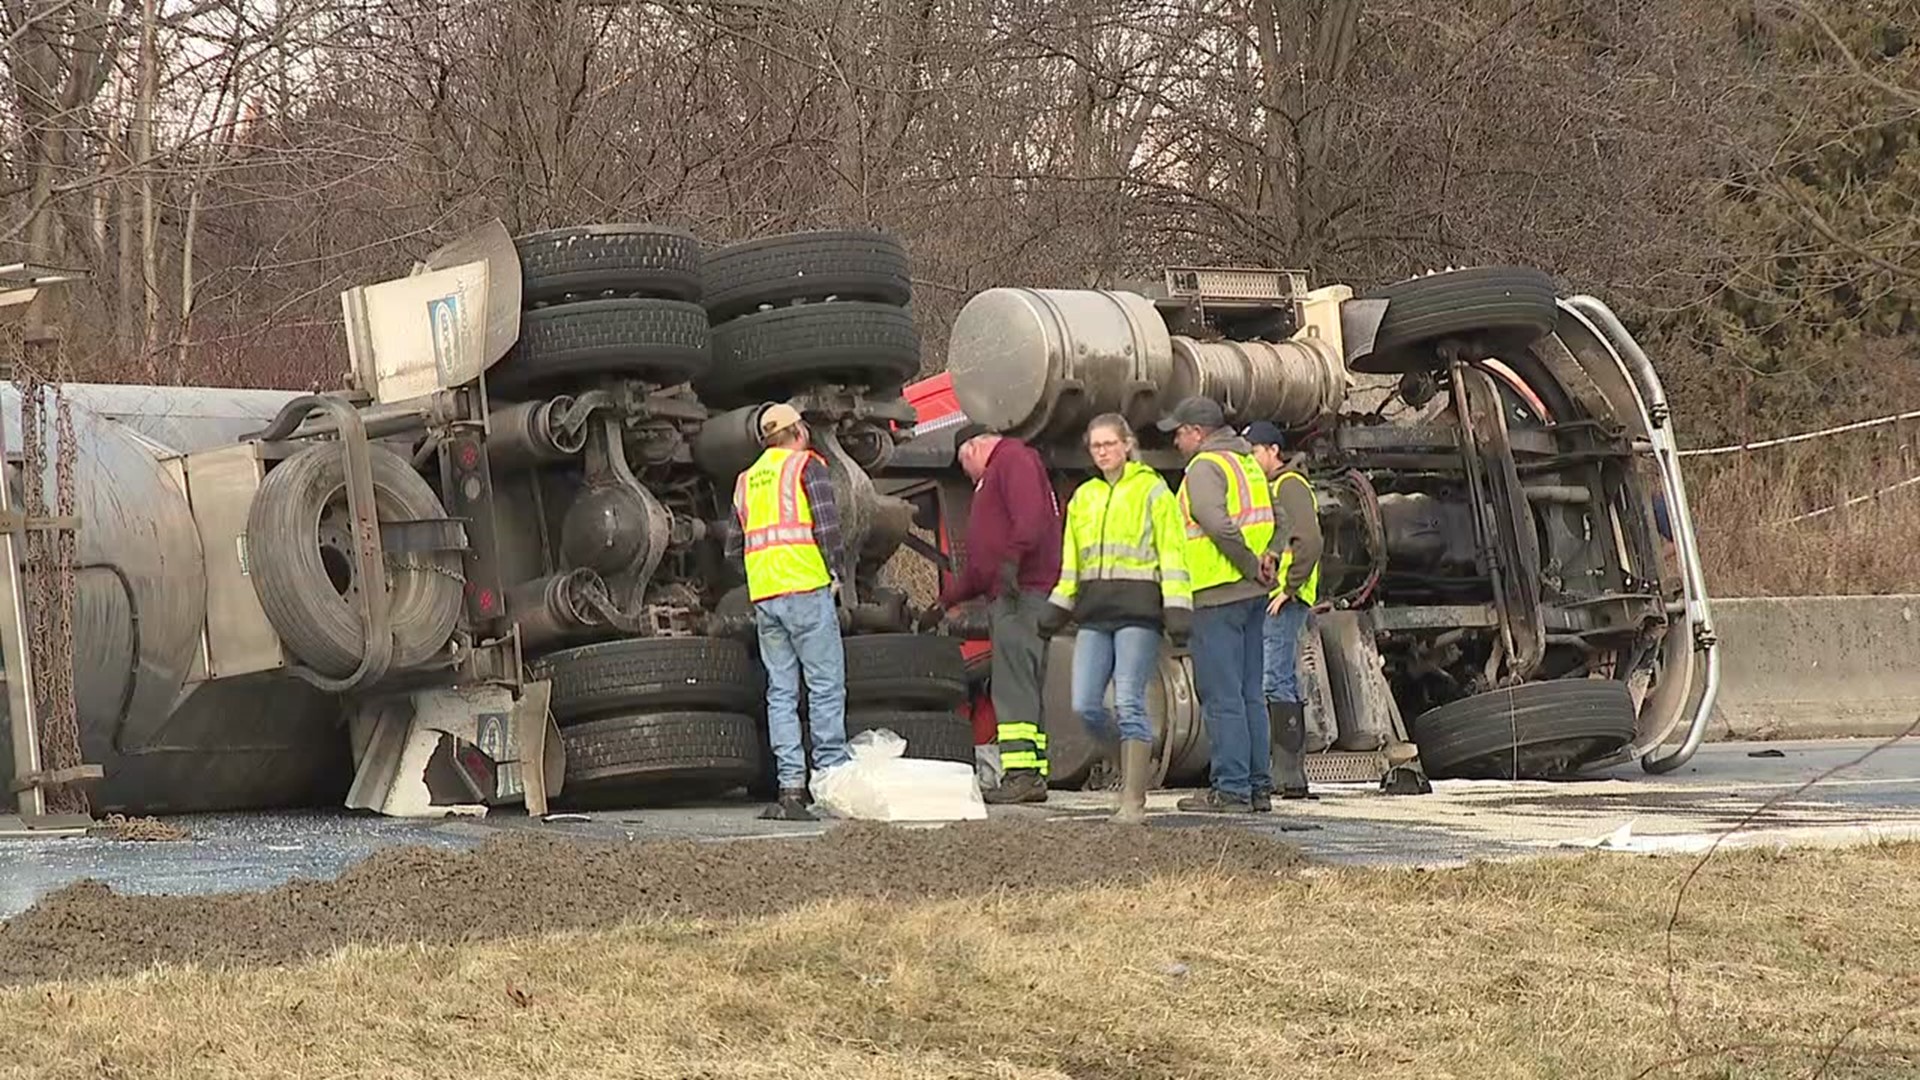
(1123, 551)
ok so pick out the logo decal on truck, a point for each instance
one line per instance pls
(443, 315)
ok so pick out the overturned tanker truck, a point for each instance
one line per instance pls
(490, 571)
(1487, 455)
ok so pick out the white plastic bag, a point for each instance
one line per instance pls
(879, 784)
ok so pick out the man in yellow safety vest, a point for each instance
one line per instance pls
(1229, 518)
(787, 532)
(1296, 590)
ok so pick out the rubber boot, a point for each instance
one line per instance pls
(1288, 722)
(1133, 783)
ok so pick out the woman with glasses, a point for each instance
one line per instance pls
(1123, 579)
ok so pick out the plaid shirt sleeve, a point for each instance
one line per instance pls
(818, 484)
(733, 534)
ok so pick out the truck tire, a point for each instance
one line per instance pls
(661, 341)
(1498, 306)
(776, 353)
(905, 670)
(305, 582)
(1539, 731)
(585, 262)
(931, 735)
(651, 758)
(643, 674)
(855, 264)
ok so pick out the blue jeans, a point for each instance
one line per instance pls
(1229, 658)
(1127, 657)
(801, 632)
(1283, 651)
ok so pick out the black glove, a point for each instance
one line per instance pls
(1179, 623)
(1053, 621)
(930, 618)
(1009, 579)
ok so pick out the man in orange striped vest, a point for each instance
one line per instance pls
(788, 535)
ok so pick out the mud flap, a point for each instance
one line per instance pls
(455, 751)
(1316, 689)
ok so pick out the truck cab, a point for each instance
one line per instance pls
(1491, 459)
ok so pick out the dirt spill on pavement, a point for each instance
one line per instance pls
(528, 885)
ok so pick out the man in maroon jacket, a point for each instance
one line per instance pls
(1013, 559)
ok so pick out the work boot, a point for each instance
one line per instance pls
(1214, 801)
(1025, 786)
(1287, 721)
(1133, 783)
(1261, 802)
(790, 806)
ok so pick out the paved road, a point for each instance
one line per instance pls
(1626, 809)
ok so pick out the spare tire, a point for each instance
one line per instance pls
(658, 757)
(932, 736)
(588, 261)
(844, 264)
(1497, 307)
(661, 341)
(906, 670)
(1540, 731)
(300, 549)
(643, 674)
(777, 353)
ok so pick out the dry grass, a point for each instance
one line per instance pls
(1543, 969)
(1740, 500)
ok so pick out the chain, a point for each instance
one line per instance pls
(62, 694)
(49, 591)
(396, 563)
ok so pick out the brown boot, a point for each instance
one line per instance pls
(1133, 783)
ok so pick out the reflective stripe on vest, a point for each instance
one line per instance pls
(1309, 593)
(776, 521)
(1124, 531)
(1249, 505)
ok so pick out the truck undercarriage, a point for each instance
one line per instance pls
(491, 571)
(1486, 455)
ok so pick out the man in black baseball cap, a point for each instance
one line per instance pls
(1197, 416)
(1012, 559)
(1229, 512)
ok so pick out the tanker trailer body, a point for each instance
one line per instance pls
(166, 738)
(1486, 454)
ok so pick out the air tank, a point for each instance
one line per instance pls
(140, 601)
(1291, 383)
(1040, 363)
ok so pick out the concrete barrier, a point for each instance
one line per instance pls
(1817, 666)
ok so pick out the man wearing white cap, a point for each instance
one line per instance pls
(788, 535)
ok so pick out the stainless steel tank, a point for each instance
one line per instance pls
(1042, 362)
(140, 601)
(1180, 747)
(1291, 383)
